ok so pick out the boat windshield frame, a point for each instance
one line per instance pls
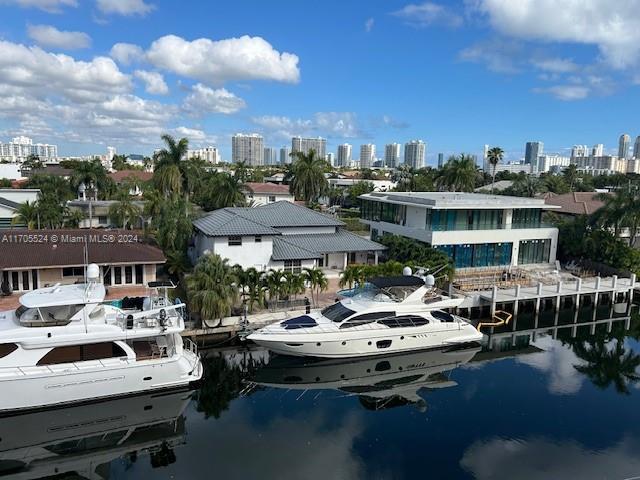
(337, 312)
(370, 292)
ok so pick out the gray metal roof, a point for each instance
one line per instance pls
(9, 203)
(285, 250)
(320, 243)
(286, 214)
(223, 223)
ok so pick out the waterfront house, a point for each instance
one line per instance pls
(132, 178)
(262, 193)
(475, 230)
(280, 235)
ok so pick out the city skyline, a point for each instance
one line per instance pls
(105, 73)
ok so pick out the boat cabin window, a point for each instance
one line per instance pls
(442, 316)
(366, 318)
(47, 316)
(80, 353)
(404, 321)
(337, 312)
(7, 348)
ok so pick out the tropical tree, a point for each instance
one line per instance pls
(571, 175)
(494, 157)
(221, 190)
(169, 175)
(92, 175)
(27, 214)
(317, 282)
(124, 212)
(527, 186)
(275, 280)
(620, 210)
(210, 288)
(357, 189)
(555, 184)
(307, 176)
(459, 174)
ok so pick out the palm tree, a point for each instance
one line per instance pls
(317, 282)
(308, 181)
(555, 184)
(170, 175)
(528, 186)
(210, 288)
(620, 210)
(275, 283)
(459, 174)
(124, 212)
(570, 175)
(94, 176)
(27, 214)
(494, 157)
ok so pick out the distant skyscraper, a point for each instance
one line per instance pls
(597, 150)
(270, 156)
(532, 151)
(579, 151)
(208, 154)
(300, 144)
(331, 159)
(485, 159)
(415, 152)
(440, 160)
(367, 155)
(636, 148)
(623, 146)
(285, 155)
(391, 155)
(248, 148)
(343, 158)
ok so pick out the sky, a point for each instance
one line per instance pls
(87, 74)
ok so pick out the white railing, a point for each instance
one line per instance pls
(190, 345)
(65, 367)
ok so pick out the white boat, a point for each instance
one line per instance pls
(379, 382)
(387, 315)
(65, 345)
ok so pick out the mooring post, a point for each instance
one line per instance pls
(494, 297)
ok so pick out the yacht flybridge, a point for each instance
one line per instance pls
(65, 345)
(386, 315)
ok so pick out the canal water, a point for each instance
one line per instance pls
(555, 399)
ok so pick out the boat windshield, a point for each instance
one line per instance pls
(369, 292)
(337, 312)
(47, 316)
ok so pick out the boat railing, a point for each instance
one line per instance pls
(165, 317)
(66, 367)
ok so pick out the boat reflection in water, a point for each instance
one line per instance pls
(82, 441)
(380, 382)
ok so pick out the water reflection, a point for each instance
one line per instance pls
(82, 441)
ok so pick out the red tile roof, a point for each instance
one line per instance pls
(272, 188)
(575, 203)
(121, 175)
(53, 248)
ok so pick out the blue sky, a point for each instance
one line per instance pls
(456, 74)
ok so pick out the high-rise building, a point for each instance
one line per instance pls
(19, 149)
(285, 155)
(208, 154)
(623, 146)
(532, 151)
(415, 152)
(330, 158)
(319, 145)
(579, 151)
(636, 148)
(440, 160)
(367, 155)
(343, 159)
(391, 155)
(485, 159)
(111, 152)
(247, 148)
(597, 150)
(270, 156)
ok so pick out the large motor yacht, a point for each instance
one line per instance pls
(385, 315)
(64, 344)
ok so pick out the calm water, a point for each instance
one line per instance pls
(562, 403)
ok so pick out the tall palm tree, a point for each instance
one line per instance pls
(571, 175)
(459, 174)
(494, 157)
(317, 282)
(27, 214)
(93, 175)
(210, 288)
(169, 174)
(620, 210)
(308, 181)
(124, 212)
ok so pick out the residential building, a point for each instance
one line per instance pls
(415, 152)
(497, 186)
(10, 200)
(441, 160)
(285, 156)
(265, 193)
(623, 145)
(19, 149)
(514, 167)
(367, 155)
(331, 159)
(208, 154)
(604, 165)
(597, 150)
(27, 266)
(318, 145)
(343, 159)
(532, 151)
(475, 230)
(378, 185)
(579, 151)
(636, 148)
(11, 171)
(135, 179)
(135, 159)
(95, 213)
(280, 235)
(247, 148)
(551, 163)
(392, 155)
(270, 156)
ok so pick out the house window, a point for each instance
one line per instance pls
(139, 275)
(117, 275)
(15, 285)
(106, 275)
(272, 198)
(25, 280)
(293, 266)
(235, 241)
(128, 274)
(103, 220)
(73, 272)
(258, 239)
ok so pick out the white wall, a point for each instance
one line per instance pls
(416, 217)
(19, 195)
(249, 254)
(10, 171)
(263, 198)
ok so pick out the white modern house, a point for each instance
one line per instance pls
(280, 235)
(475, 230)
(262, 193)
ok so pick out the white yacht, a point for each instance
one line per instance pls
(64, 344)
(387, 315)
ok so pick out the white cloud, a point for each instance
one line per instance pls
(126, 53)
(554, 65)
(216, 62)
(368, 25)
(427, 14)
(51, 6)
(566, 92)
(124, 7)
(496, 55)
(50, 36)
(327, 124)
(203, 99)
(610, 26)
(154, 82)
